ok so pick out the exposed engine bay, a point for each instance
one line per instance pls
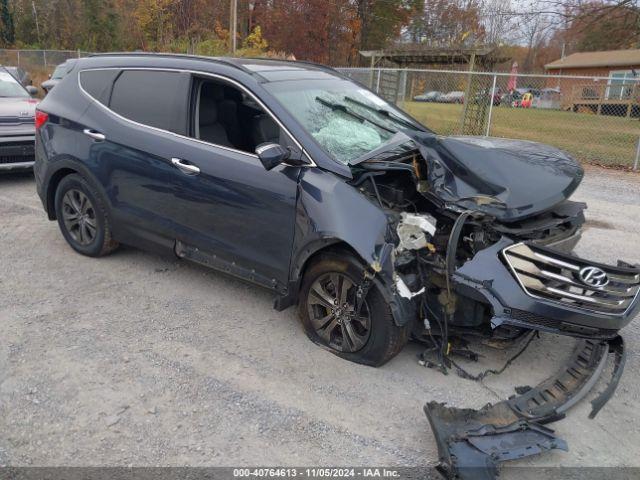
(482, 233)
(459, 259)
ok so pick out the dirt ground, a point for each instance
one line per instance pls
(135, 359)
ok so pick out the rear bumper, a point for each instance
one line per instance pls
(17, 152)
(489, 275)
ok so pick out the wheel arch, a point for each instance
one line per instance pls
(403, 310)
(52, 187)
(64, 168)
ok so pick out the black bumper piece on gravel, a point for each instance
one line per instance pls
(471, 443)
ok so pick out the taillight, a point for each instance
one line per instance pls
(41, 118)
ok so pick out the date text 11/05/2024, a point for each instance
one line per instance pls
(363, 472)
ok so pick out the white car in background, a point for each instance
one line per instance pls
(17, 123)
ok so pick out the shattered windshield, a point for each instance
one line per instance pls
(347, 120)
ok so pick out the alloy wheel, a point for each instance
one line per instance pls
(331, 305)
(79, 216)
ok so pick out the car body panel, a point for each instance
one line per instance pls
(17, 130)
(159, 202)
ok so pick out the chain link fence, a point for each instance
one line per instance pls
(39, 64)
(596, 119)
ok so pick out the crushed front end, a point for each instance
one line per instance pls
(483, 233)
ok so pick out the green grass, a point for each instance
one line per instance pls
(600, 139)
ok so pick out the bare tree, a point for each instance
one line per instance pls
(498, 26)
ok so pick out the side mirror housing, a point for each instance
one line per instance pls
(272, 154)
(31, 89)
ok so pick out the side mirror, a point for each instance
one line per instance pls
(271, 155)
(31, 89)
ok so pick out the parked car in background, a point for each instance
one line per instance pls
(17, 113)
(511, 98)
(59, 72)
(20, 74)
(452, 97)
(549, 98)
(432, 96)
(484, 96)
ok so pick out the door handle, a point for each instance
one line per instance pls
(185, 167)
(94, 134)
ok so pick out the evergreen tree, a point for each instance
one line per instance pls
(7, 35)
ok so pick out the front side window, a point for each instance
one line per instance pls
(347, 120)
(226, 116)
(154, 98)
(9, 86)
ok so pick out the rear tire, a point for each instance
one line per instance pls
(82, 217)
(326, 310)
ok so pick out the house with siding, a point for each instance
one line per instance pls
(612, 88)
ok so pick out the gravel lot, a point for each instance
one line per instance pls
(135, 359)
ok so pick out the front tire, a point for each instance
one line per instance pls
(327, 312)
(82, 217)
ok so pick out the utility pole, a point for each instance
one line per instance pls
(233, 25)
(35, 14)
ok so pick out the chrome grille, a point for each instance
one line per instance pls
(550, 275)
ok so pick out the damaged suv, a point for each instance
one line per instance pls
(294, 177)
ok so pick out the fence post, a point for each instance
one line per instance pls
(635, 163)
(18, 57)
(403, 87)
(467, 92)
(78, 53)
(491, 94)
(378, 82)
(44, 57)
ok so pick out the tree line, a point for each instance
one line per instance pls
(327, 31)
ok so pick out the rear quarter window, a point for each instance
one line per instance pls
(156, 99)
(98, 83)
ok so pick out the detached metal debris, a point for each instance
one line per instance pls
(471, 443)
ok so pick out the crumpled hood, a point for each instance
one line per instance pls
(510, 179)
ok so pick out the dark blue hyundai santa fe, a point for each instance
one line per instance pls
(294, 177)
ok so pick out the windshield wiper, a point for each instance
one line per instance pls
(382, 112)
(337, 107)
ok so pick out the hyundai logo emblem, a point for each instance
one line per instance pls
(593, 276)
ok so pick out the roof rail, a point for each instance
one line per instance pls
(305, 62)
(219, 60)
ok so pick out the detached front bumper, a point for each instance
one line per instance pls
(17, 153)
(544, 289)
(471, 443)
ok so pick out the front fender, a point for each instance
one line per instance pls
(331, 211)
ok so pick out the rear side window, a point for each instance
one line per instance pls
(97, 83)
(153, 98)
